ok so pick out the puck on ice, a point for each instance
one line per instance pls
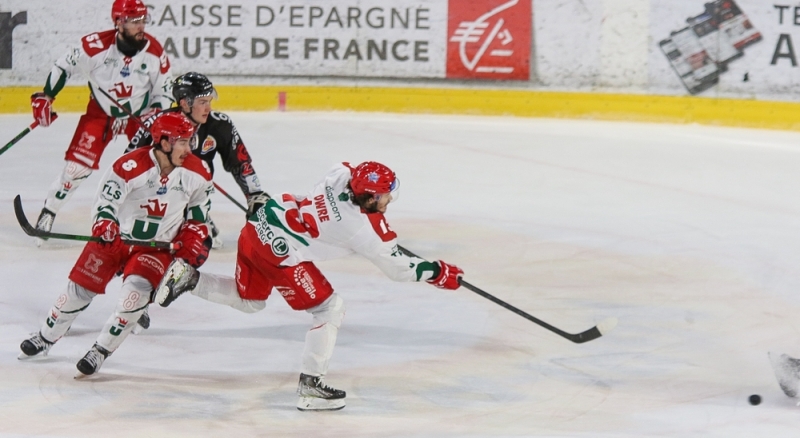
(755, 399)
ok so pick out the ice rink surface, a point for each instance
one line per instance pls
(689, 235)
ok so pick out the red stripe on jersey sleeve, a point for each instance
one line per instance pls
(156, 49)
(98, 42)
(381, 227)
(198, 166)
(131, 165)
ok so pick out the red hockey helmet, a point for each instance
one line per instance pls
(172, 125)
(375, 178)
(127, 9)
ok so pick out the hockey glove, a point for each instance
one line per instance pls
(193, 238)
(255, 201)
(42, 105)
(108, 232)
(448, 277)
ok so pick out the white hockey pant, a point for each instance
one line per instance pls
(67, 307)
(321, 338)
(221, 289)
(135, 297)
(65, 185)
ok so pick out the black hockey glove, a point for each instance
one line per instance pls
(255, 201)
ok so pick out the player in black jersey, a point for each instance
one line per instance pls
(193, 93)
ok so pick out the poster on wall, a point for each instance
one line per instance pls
(489, 39)
(726, 48)
(460, 39)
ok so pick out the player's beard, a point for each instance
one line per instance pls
(132, 42)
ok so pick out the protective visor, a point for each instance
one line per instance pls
(394, 190)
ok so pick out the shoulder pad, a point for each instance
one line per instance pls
(198, 166)
(133, 164)
(156, 49)
(381, 227)
(98, 42)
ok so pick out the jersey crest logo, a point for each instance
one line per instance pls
(155, 209)
(121, 90)
(126, 71)
(209, 144)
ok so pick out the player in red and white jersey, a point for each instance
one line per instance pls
(128, 64)
(341, 215)
(158, 193)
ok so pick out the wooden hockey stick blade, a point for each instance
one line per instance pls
(31, 231)
(24, 133)
(595, 332)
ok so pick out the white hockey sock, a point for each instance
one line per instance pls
(133, 300)
(65, 185)
(321, 338)
(221, 289)
(68, 306)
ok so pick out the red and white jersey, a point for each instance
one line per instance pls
(326, 225)
(147, 205)
(139, 83)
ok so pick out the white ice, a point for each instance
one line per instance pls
(690, 235)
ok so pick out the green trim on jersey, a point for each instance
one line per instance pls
(272, 219)
(427, 267)
(55, 89)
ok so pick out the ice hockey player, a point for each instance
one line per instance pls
(158, 193)
(127, 63)
(193, 93)
(342, 214)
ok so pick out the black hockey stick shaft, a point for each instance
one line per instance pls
(31, 231)
(216, 186)
(24, 133)
(578, 338)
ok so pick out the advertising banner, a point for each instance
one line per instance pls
(463, 39)
(731, 48)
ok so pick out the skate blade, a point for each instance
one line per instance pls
(80, 376)
(319, 404)
(25, 357)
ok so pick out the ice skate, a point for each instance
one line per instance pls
(44, 223)
(315, 395)
(35, 346)
(92, 361)
(180, 277)
(143, 323)
(787, 371)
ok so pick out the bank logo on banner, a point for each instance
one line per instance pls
(489, 39)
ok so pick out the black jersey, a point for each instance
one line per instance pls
(218, 134)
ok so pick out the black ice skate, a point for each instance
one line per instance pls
(315, 395)
(92, 361)
(787, 371)
(180, 278)
(44, 223)
(33, 346)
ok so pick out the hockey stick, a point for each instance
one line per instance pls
(595, 332)
(24, 133)
(31, 231)
(216, 186)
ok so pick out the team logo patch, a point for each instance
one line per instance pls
(279, 246)
(373, 177)
(209, 144)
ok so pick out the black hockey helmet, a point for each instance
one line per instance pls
(190, 86)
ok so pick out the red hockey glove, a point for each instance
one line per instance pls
(42, 105)
(448, 276)
(194, 248)
(108, 232)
